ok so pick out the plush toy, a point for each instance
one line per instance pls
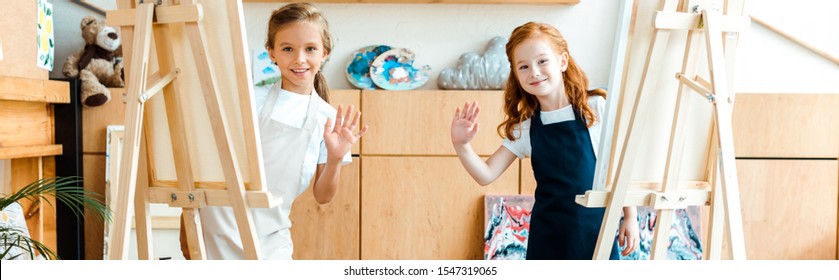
(98, 64)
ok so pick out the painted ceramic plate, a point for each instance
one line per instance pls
(358, 68)
(394, 70)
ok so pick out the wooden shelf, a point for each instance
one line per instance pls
(511, 2)
(30, 151)
(34, 90)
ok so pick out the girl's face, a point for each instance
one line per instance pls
(298, 51)
(539, 69)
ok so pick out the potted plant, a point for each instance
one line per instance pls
(15, 242)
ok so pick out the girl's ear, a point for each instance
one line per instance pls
(563, 61)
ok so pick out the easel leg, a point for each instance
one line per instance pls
(627, 158)
(221, 133)
(664, 217)
(722, 116)
(194, 239)
(142, 218)
(133, 127)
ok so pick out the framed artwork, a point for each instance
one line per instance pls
(115, 142)
(46, 37)
(265, 73)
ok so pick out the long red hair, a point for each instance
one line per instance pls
(520, 105)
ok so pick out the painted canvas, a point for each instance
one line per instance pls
(358, 67)
(46, 45)
(395, 70)
(685, 242)
(507, 225)
(265, 73)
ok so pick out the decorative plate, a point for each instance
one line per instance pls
(394, 70)
(358, 67)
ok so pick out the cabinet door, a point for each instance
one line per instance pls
(419, 122)
(329, 231)
(789, 208)
(345, 98)
(784, 125)
(424, 208)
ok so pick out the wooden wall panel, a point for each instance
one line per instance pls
(41, 224)
(25, 124)
(25, 171)
(528, 182)
(329, 231)
(48, 209)
(95, 121)
(786, 125)
(789, 208)
(18, 31)
(424, 208)
(419, 122)
(94, 180)
(346, 98)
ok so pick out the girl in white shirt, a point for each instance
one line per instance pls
(299, 141)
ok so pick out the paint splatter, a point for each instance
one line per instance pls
(507, 226)
(685, 243)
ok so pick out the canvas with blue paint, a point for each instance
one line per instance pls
(265, 73)
(684, 240)
(358, 67)
(507, 225)
(395, 70)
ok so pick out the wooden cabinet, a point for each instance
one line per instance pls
(419, 122)
(27, 133)
(789, 208)
(787, 147)
(332, 230)
(424, 208)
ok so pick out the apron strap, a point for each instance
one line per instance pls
(268, 107)
(311, 112)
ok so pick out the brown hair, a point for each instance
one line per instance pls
(520, 105)
(302, 12)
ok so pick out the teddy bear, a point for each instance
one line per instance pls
(99, 64)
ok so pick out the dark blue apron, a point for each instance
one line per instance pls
(563, 163)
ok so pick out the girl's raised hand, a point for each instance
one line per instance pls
(465, 123)
(341, 138)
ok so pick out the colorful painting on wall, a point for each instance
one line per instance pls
(265, 73)
(46, 45)
(358, 67)
(506, 226)
(394, 70)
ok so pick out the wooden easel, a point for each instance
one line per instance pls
(139, 23)
(721, 194)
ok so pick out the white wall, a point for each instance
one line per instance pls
(440, 33)
(769, 63)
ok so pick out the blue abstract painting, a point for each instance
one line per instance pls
(684, 241)
(358, 67)
(395, 70)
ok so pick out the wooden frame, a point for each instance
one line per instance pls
(722, 194)
(138, 182)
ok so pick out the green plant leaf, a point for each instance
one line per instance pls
(69, 191)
